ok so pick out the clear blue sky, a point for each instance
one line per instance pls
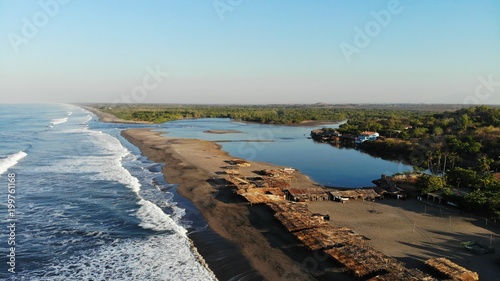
(250, 51)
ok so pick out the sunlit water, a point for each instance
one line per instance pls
(289, 146)
(88, 206)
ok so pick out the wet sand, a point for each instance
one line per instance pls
(221, 132)
(411, 231)
(192, 164)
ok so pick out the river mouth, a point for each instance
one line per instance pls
(290, 146)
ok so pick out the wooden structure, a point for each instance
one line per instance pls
(239, 162)
(261, 195)
(364, 194)
(317, 194)
(288, 207)
(238, 182)
(404, 274)
(307, 194)
(340, 243)
(451, 270)
(294, 221)
(435, 196)
(297, 194)
(278, 178)
(281, 173)
(363, 260)
(277, 182)
(327, 236)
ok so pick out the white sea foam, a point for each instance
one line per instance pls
(133, 259)
(108, 166)
(178, 213)
(11, 161)
(58, 121)
(164, 252)
(127, 259)
(87, 119)
(81, 119)
(152, 217)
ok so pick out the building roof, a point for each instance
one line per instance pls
(452, 270)
(368, 133)
(363, 260)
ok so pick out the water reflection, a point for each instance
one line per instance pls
(289, 146)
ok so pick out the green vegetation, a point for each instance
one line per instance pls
(427, 183)
(481, 196)
(252, 113)
(438, 142)
(459, 147)
(267, 114)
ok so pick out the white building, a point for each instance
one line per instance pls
(364, 136)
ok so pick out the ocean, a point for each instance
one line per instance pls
(85, 205)
(79, 202)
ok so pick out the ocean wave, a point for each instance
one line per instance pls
(107, 165)
(131, 259)
(58, 121)
(150, 214)
(11, 161)
(87, 119)
(152, 217)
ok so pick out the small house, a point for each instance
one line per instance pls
(366, 136)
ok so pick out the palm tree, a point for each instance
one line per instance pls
(429, 160)
(438, 154)
(453, 157)
(444, 165)
(484, 165)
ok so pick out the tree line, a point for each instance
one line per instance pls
(459, 148)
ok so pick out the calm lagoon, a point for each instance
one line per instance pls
(289, 146)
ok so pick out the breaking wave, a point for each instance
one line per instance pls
(11, 161)
(59, 121)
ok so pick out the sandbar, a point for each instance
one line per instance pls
(220, 132)
(192, 164)
(409, 230)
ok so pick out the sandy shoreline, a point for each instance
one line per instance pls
(191, 164)
(408, 230)
(222, 132)
(411, 231)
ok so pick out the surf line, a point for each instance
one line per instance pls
(11, 220)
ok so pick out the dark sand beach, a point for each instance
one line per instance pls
(256, 246)
(192, 164)
(411, 231)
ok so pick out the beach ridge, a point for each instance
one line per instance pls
(191, 164)
(196, 166)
